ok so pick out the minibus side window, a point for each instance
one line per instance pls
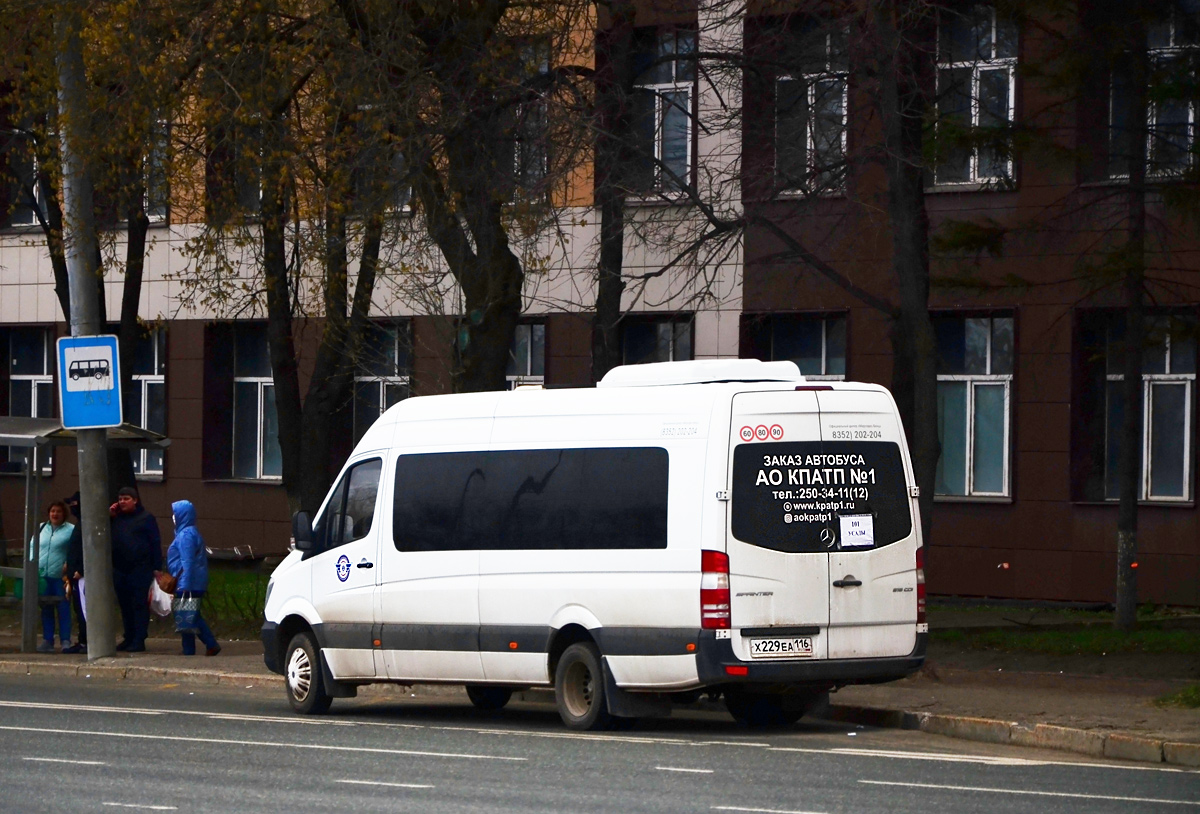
(550, 499)
(351, 508)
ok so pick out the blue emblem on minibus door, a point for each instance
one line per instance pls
(343, 568)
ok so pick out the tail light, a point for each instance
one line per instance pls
(714, 590)
(921, 585)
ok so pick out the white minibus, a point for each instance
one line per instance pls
(720, 526)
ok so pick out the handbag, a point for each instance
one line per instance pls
(167, 582)
(187, 609)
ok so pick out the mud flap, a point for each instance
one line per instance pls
(625, 704)
(335, 688)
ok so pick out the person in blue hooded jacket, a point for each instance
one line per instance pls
(187, 561)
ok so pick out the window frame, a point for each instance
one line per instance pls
(824, 320)
(263, 383)
(676, 322)
(810, 80)
(1156, 56)
(515, 380)
(401, 378)
(661, 185)
(1149, 382)
(973, 382)
(36, 208)
(978, 66)
(143, 382)
(159, 148)
(36, 380)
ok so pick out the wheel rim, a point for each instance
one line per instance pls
(578, 689)
(299, 674)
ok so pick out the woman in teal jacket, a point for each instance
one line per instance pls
(54, 540)
(187, 561)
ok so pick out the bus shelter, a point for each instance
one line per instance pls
(33, 438)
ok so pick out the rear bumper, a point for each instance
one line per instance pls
(713, 655)
(270, 640)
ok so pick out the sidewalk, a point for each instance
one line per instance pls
(1099, 715)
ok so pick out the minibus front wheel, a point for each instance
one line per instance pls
(302, 676)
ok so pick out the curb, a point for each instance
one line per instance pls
(1117, 745)
(137, 672)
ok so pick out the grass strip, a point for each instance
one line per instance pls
(1188, 698)
(1094, 641)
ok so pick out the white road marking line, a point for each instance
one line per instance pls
(72, 762)
(984, 759)
(936, 756)
(141, 805)
(1035, 793)
(74, 708)
(679, 769)
(764, 810)
(273, 719)
(229, 742)
(390, 785)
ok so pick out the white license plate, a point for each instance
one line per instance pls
(798, 647)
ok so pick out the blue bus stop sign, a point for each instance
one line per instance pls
(89, 382)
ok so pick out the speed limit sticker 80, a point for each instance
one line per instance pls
(761, 432)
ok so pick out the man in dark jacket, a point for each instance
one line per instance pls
(75, 573)
(137, 559)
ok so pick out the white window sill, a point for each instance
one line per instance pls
(996, 185)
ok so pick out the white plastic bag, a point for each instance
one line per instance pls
(160, 600)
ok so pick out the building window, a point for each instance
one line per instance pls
(378, 146)
(975, 370)
(817, 344)
(156, 172)
(1171, 45)
(810, 114)
(383, 377)
(233, 172)
(31, 365)
(1168, 381)
(527, 355)
(664, 94)
(526, 124)
(656, 340)
(976, 96)
(147, 405)
(256, 451)
(24, 190)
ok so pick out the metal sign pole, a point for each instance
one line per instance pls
(30, 583)
(79, 235)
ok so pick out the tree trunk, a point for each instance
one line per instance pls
(1129, 460)
(285, 372)
(614, 84)
(905, 78)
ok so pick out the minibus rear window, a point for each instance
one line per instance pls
(792, 497)
(532, 499)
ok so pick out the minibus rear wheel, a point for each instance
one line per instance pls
(762, 709)
(489, 699)
(579, 688)
(302, 676)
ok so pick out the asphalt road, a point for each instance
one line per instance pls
(75, 745)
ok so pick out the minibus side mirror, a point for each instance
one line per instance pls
(302, 531)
